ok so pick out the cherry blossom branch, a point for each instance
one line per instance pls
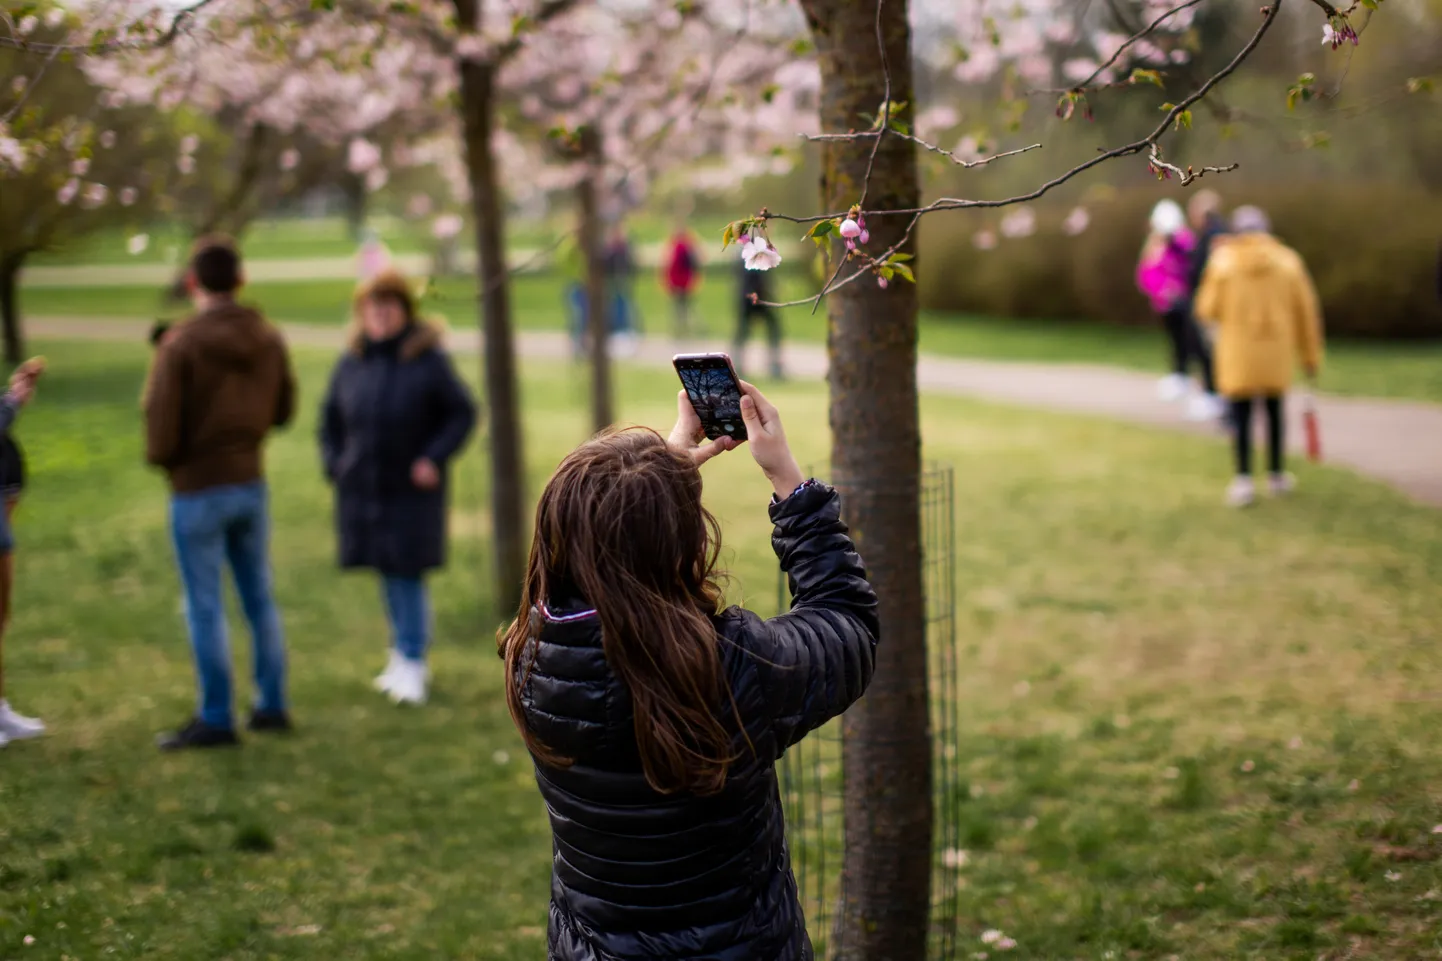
(1144, 144)
(547, 11)
(178, 23)
(1134, 38)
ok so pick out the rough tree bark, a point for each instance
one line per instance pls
(876, 463)
(588, 195)
(478, 93)
(10, 265)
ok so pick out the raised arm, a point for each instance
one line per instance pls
(816, 660)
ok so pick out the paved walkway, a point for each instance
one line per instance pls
(1394, 441)
(149, 274)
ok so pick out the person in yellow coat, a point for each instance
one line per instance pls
(1260, 299)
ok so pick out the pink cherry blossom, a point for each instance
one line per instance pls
(760, 255)
(107, 139)
(991, 936)
(55, 18)
(882, 282)
(27, 25)
(128, 196)
(185, 163)
(137, 244)
(984, 240)
(1019, 222)
(289, 158)
(189, 143)
(94, 196)
(80, 166)
(67, 192)
(447, 226)
(362, 156)
(1076, 222)
(850, 229)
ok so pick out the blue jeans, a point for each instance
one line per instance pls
(409, 610)
(209, 528)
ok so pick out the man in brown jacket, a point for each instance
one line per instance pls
(220, 383)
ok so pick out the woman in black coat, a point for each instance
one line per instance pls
(654, 717)
(394, 416)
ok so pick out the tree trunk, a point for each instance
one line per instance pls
(10, 265)
(876, 463)
(597, 319)
(498, 348)
(353, 188)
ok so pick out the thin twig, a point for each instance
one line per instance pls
(1135, 38)
(885, 104)
(968, 164)
(1136, 147)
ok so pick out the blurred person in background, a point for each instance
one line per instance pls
(1261, 299)
(755, 290)
(654, 715)
(220, 382)
(394, 416)
(620, 267)
(13, 726)
(373, 258)
(680, 273)
(1162, 275)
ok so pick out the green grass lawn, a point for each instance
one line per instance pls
(1357, 368)
(1185, 731)
(288, 237)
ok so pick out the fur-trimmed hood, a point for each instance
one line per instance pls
(422, 335)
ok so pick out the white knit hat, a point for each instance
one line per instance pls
(1167, 217)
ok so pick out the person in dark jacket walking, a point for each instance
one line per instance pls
(755, 289)
(654, 717)
(394, 416)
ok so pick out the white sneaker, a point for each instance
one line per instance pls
(1281, 484)
(408, 686)
(1242, 492)
(17, 727)
(386, 678)
(1172, 388)
(4, 740)
(1203, 407)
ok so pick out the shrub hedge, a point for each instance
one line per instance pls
(1372, 248)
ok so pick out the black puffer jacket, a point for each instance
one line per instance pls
(641, 875)
(390, 403)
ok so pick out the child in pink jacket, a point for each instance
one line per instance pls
(1162, 275)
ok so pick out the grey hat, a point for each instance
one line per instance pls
(1251, 220)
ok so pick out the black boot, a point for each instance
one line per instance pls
(197, 734)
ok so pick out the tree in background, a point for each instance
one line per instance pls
(70, 163)
(628, 96)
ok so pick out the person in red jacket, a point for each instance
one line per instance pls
(680, 272)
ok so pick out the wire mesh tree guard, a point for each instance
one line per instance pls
(811, 772)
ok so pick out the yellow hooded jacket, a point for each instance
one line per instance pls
(1257, 292)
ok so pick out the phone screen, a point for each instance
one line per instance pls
(716, 396)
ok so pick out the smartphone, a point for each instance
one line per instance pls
(715, 392)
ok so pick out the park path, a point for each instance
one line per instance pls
(1398, 442)
(270, 270)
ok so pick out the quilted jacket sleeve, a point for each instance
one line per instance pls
(815, 661)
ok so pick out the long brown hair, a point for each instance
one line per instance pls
(621, 526)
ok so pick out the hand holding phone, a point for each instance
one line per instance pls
(715, 393)
(769, 447)
(688, 435)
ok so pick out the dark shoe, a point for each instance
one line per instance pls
(269, 721)
(196, 734)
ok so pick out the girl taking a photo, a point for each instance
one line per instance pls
(654, 716)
